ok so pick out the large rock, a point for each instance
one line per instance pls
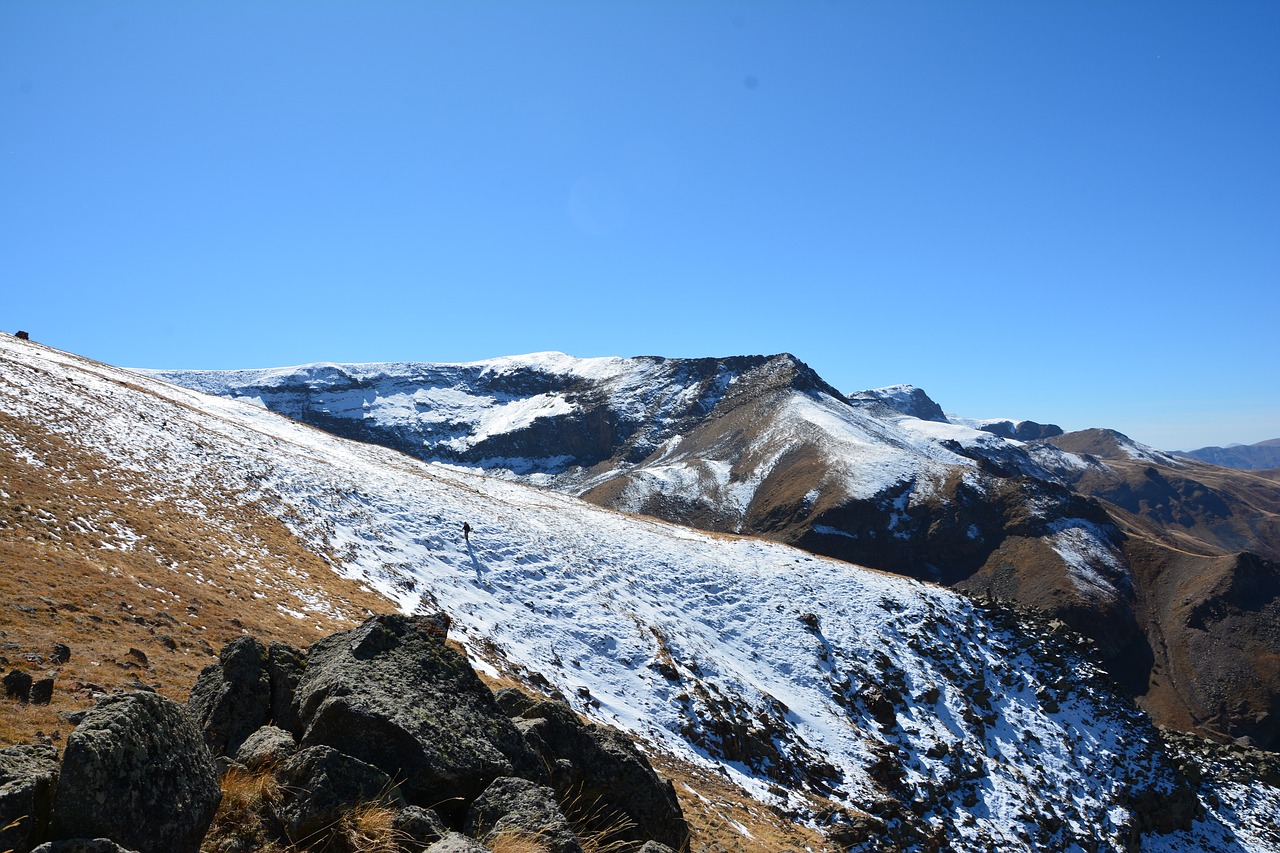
(266, 747)
(136, 770)
(605, 783)
(17, 685)
(319, 785)
(418, 828)
(28, 777)
(514, 806)
(392, 694)
(231, 699)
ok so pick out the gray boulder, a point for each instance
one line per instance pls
(136, 770)
(655, 847)
(82, 845)
(523, 808)
(231, 699)
(266, 747)
(319, 785)
(610, 783)
(456, 842)
(28, 778)
(392, 694)
(418, 828)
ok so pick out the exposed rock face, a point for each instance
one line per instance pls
(28, 778)
(136, 770)
(232, 698)
(284, 667)
(1022, 430)
(604, 775)
(517, 806)
(392, 694)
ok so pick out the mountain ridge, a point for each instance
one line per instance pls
(761, 445)
(784, 670)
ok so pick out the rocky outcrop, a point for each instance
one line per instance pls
(136, 770)
(392, 694)
(903, 399)
(400, 743)
(28, 778)
(1021, 430)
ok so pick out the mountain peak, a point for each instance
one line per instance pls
(1109, 444)
(906, 399)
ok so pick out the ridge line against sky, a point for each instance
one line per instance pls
(1067, 212)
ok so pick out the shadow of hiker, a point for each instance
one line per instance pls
(475, 561)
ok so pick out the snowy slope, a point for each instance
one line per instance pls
(722, 444)
(799, 676)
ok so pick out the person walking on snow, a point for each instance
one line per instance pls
(466, 531)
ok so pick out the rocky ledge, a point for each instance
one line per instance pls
(378, 738)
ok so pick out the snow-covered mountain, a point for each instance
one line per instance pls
(761, 445)
(892, 712)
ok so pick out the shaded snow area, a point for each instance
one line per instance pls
(800, 678)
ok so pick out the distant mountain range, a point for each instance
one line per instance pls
(1170, 565)
(1248, 457)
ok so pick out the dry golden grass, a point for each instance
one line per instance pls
(246, 797)
(722, 819)
(152, 604)
(508, 841)
(367, 828)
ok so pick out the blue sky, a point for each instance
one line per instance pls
(1062, 211)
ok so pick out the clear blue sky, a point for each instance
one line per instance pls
(1063, 211)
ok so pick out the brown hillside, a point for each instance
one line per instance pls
(140, 592)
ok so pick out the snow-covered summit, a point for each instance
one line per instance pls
(906, 399)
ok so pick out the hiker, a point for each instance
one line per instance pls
(466, 531)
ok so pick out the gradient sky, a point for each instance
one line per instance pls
(1062, 211)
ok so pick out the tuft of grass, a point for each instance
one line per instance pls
(367, 828)
(241, 820)
(513, 841)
